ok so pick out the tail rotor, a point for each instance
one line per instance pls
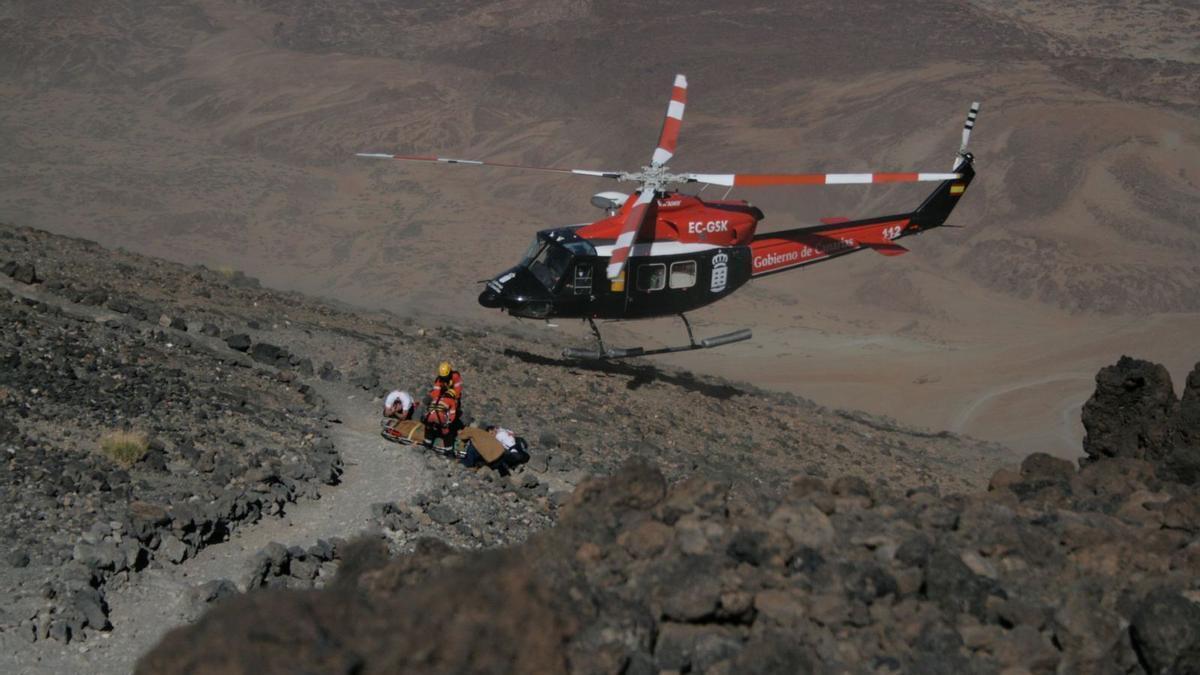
(966, 135)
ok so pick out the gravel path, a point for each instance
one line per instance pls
(157, 599)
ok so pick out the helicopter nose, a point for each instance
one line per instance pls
(490, 298)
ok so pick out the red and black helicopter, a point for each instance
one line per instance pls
(682, 252)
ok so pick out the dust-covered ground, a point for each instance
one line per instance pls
(221, 132)
(263, 455)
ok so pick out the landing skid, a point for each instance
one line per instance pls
(605, 353)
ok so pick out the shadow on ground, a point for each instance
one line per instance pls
(639, 375)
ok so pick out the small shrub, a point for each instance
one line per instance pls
(125, 448)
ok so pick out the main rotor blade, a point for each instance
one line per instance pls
(674, 119)
(642, 210)
(767, 179)
(449, 160)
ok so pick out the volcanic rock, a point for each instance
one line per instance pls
(1130, 412)
(239, 342)
(24, 273)
(269, 354)
(17, 558)
(1166, 633)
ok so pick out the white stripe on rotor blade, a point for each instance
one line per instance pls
(614, 270)
(713, 178)
(626, 239)
(656, 249)
(376, 155)
(681, 81)
(660, 156)
(840, 178)
(675, 109)
(451, 160)
(605, 174)
(939, 176)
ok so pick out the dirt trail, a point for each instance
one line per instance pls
(968, 411)
(157, 598)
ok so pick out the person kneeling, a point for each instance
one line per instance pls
(398, 405)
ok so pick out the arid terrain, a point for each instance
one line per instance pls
(222, 132)
(262, 525)
(262, 454)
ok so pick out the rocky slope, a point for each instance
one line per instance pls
(1052, 569)
(225, 445)
(221, 375)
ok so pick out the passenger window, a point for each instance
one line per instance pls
(652, 277)
(683, 274)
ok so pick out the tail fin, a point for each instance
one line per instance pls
(937, 207)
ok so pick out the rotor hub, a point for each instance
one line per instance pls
(655, 178)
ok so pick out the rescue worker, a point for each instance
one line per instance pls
(447, 393)
(447, 383)
(398, 405)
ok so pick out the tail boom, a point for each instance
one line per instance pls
(773, 252)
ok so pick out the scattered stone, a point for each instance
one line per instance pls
(173, 549)
(328, 373)
(442, 515)
(1166, 633)
(211, 592)
(366, 381)
(239, 342)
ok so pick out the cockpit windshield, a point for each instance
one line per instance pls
(532, 251)
(548, 262)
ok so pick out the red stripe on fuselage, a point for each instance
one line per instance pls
(778, 251)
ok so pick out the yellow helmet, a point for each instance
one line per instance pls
(444, 369)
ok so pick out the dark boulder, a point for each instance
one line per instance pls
(1039, 465)
(443, 515)
(269, 354)
(366, 381)
(25, 273)
(1165, 631)
(329, 373)
(1187, 424)
(94, 297)
(238, 342)
(1130, 412)
(954, 587)
(1185, 457)
(17, 558)
(211, 592)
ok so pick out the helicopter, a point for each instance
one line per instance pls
(660, 252)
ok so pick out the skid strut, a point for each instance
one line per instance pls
(605, 353)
